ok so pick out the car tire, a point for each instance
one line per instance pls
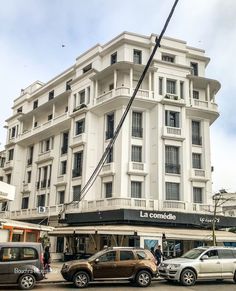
(235, 277)
(26, 282)
(143, 278)
(81, 279)
(188, 277)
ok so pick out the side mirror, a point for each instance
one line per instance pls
(204, 257)
(96, 260)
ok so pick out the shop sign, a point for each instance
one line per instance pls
(155, 215)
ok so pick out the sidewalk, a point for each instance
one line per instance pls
(54, 276)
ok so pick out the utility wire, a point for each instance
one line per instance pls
(98, 168)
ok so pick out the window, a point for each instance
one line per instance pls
(141, 255)
(111, 86)
(79, 126)
(172, 191)
(68, 87)
(110, 125)
(87, 68)
(126, 255)
(35, 104)
(63, 167)
(212, 254)
(51, 95)
(82, 97)
(10, 154)
(194, 68)
(4, 206)
(29, 177)
(137, 57)
(9, 254)
(108, 190)
(137, 127)
(136, 189)
(196, 161)
(65, 138)
(41, 199)
(182, 90)
(108, 257)
(30, 155)
(195, 94)
(160, 86)
(60, 244)
(20, 109)
(168, 58)
(35, 124)
(196, 133)
(1, 178)
(47, 145)
(8, 176)
(61, 197)
(172, 160)
(197, 195)
(2, 162)
(136, 154)
(114, 58)
(49, 117)
(110, 156)
(172, 118)
(25, 203)
(76, 192)
(78, 162)
(170, 86)
(13, 132)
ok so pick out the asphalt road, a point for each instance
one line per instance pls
(155, 286)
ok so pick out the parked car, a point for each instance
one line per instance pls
(203, 263)
(133, 264)
(21, 263)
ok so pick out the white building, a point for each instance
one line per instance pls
(161, 160)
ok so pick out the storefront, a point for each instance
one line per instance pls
(176, 232)
(17, 231)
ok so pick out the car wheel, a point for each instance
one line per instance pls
(188, 277)
(81, 279)
(235, 277)
(26, 282)
(143, 278)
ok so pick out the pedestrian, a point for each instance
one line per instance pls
(47, 260)
(158, 255)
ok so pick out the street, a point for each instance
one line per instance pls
(227, 285)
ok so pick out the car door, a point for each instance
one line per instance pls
(228, 263)
(105, 265)
(210, 267)
(125, 264)
(9, 268)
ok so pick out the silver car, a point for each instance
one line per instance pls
(204, 263)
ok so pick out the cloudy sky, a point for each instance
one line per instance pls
(32, 33)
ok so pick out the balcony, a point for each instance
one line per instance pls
(172, 99)
(43, 157)
(198, 174)
(8, 165)
(175, 133)
(172, 168)
(108, 169)
(201, 104)
(174, 205)
(55, 122)
(137, 168)
(78, 140)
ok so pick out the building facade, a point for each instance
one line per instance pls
(161, 159)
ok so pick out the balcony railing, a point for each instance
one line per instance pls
(197, 140)
(172, 168)
(137, 132)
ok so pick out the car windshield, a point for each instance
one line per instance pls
(193, 254)
(98, 254)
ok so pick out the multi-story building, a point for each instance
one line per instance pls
(159, 168)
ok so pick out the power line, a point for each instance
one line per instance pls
(98, 168)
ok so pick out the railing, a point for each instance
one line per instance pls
(199, 173)
(43, 156)
(170, 204)
(172, 168)
(205, 104)
(137, 132)
(173, 130)
(197, 140)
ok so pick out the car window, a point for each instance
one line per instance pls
(226, 254)
(126, 255)
(212, 254)
(193, 254)
(234, 253)
(9, 254)
(141, 255)
(107, 257)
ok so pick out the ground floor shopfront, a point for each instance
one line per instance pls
(87, 233)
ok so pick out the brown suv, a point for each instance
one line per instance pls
(133, 264)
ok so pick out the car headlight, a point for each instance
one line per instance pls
(174, 266)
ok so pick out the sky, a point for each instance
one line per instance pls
(32, 33)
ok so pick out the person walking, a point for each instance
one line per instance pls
(158, 255)
(47, 260)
